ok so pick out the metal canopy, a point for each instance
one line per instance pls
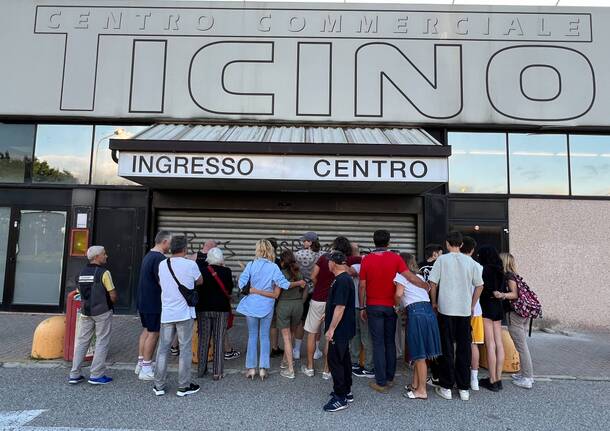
(175, 138)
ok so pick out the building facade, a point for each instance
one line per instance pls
(241, 121)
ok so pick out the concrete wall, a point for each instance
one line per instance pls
(562, 250)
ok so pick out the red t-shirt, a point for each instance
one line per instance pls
(378, 269)
(325, 277)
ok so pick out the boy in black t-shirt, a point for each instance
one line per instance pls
(340, 322)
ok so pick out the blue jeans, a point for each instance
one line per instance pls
(382, 326)
(258, 327)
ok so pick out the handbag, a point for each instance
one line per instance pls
(246, 289)
(190, 295)
(224, 292)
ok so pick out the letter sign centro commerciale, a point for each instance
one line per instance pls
(431, 64)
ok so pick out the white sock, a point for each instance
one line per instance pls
(147, 366)
(297, 344)
(474, 374)
(140, 360)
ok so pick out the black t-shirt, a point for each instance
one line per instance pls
(149, 290)
(211, 297)
(425, 267)
(342, 293)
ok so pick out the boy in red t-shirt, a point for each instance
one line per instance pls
(377, 273)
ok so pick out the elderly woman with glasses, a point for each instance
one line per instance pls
(265, 280)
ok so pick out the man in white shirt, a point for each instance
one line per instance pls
(476, 321)
(452, 278)
(176, 316)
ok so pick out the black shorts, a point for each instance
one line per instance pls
(492, 310)
(151, 321)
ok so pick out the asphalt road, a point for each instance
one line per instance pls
(277, 403)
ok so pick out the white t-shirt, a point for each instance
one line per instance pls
(455, 274)
(478, 311)
(356, 267)
(173, 305)
(412, 293)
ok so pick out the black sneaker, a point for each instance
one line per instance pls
(158, 392)
(192, 389)
(499, 384)
(232, 354)
(486, 383)
(433, 382)
(355, 367)
(335, 404)
(175, 351)
(349, 397)
(363, 372)
(276, 352)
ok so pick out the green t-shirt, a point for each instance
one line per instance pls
(294, 292)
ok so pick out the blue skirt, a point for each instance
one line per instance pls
(423, 338)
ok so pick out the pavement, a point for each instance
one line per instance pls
(565, 355)
(570, 393)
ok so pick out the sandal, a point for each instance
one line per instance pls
(411, 395)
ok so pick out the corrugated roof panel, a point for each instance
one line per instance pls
(285, 134)
(246, 134)
(366, 136)
(288, 134)
(205, 133)
(326, 135)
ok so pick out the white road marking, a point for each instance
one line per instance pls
(12, 419)
(17, 420)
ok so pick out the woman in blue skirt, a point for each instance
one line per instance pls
(423, 336)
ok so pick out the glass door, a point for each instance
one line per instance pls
(5, 227)
(39, 253)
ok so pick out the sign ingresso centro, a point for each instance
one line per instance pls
(306, 62)
(283, 167)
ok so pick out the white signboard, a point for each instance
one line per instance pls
(278, 167)
(305, 62)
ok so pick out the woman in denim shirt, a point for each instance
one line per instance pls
(266, 280)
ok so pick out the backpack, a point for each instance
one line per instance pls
(527, 304)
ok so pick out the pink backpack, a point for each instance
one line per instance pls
(527, 304)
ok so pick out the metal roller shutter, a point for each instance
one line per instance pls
(239, 231)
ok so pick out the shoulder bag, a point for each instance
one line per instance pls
(190, 295)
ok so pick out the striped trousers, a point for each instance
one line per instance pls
(211, 325)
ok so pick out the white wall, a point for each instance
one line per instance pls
(562, 248)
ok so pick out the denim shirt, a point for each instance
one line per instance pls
(263, 275)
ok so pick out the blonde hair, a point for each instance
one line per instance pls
(265, 250)
(411, 262)
(508, 262)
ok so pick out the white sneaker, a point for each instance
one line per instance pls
(443, 393)
(138, 368)
(326, 375)
(309, 372)
(517, 376)
(474, 384)
(525, 383)
(146, 374)
(464, 395)
(296, 354)
(317, 354)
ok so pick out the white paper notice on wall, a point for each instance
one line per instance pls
(81, 220)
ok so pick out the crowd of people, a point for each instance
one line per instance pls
(346, 306)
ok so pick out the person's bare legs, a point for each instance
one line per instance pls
(497, 328)
(490, 346)
(311, 347)
(287, 337)
(273, 336)
(141, 342)
(150, 343)
(474, 361)
(420, 372)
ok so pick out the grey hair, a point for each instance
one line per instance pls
(215, 256)
(94, 250)
(163, 235)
